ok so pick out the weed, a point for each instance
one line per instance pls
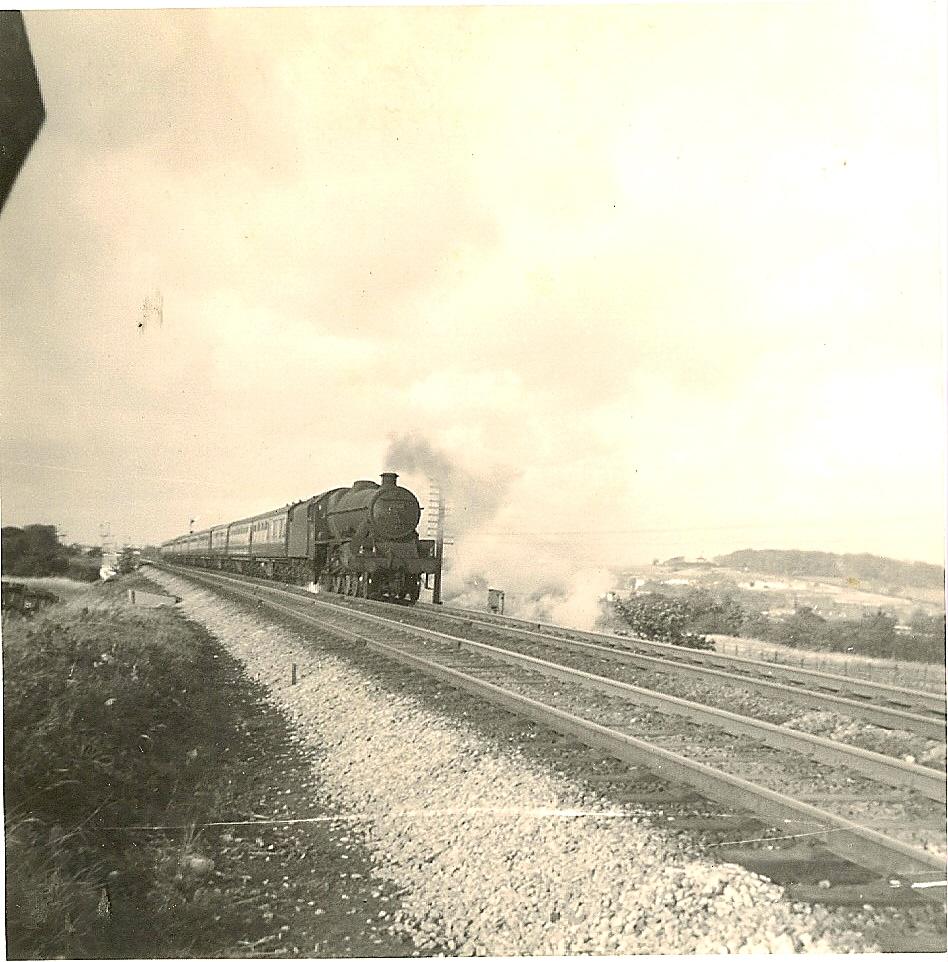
(112, 718)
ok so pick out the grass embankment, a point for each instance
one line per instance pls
(114, 717)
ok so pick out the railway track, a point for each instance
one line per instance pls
(927, 705)
(887, 706)
(917, 712)
(735, 760)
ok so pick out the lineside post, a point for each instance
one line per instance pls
(439, 550)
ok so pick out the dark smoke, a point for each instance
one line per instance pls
(472, 497)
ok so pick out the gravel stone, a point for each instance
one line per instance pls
(493, 854)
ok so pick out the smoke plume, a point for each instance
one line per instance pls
(472, 497)
(541, 580)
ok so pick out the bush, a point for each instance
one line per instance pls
(83, 569)
(719, 616)
(663, 619)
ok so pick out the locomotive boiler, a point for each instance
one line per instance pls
(361, 540)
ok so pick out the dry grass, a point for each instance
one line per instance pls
(908, 674)
(64, 588)
(103, 704)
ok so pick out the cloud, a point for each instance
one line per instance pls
(663, 278)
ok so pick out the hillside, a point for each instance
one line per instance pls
(825, 564)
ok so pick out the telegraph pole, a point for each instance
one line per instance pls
(439, 550)
(109, 555)
(436, 527)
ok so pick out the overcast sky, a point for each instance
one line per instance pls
(666, 278)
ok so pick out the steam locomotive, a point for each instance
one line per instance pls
(361, 541)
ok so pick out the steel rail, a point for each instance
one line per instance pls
(881, 715)
(893, 771)
(894, 694)
(844, 685)
(856, 843)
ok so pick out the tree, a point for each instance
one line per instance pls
(805, 629)
(33, 551)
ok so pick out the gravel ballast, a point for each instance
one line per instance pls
(492, 854)
(731, 697)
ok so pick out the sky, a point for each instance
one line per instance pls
(653, 279)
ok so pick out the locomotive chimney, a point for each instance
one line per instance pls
(388, 479)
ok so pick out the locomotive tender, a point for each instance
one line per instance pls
(360, 541)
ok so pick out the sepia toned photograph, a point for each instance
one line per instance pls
(473, 480)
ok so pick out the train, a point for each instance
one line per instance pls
(360, 540)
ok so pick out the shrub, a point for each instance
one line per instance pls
(83, 569)
(663, 619)
(721, 616)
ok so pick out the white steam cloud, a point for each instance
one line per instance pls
(542, 581)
